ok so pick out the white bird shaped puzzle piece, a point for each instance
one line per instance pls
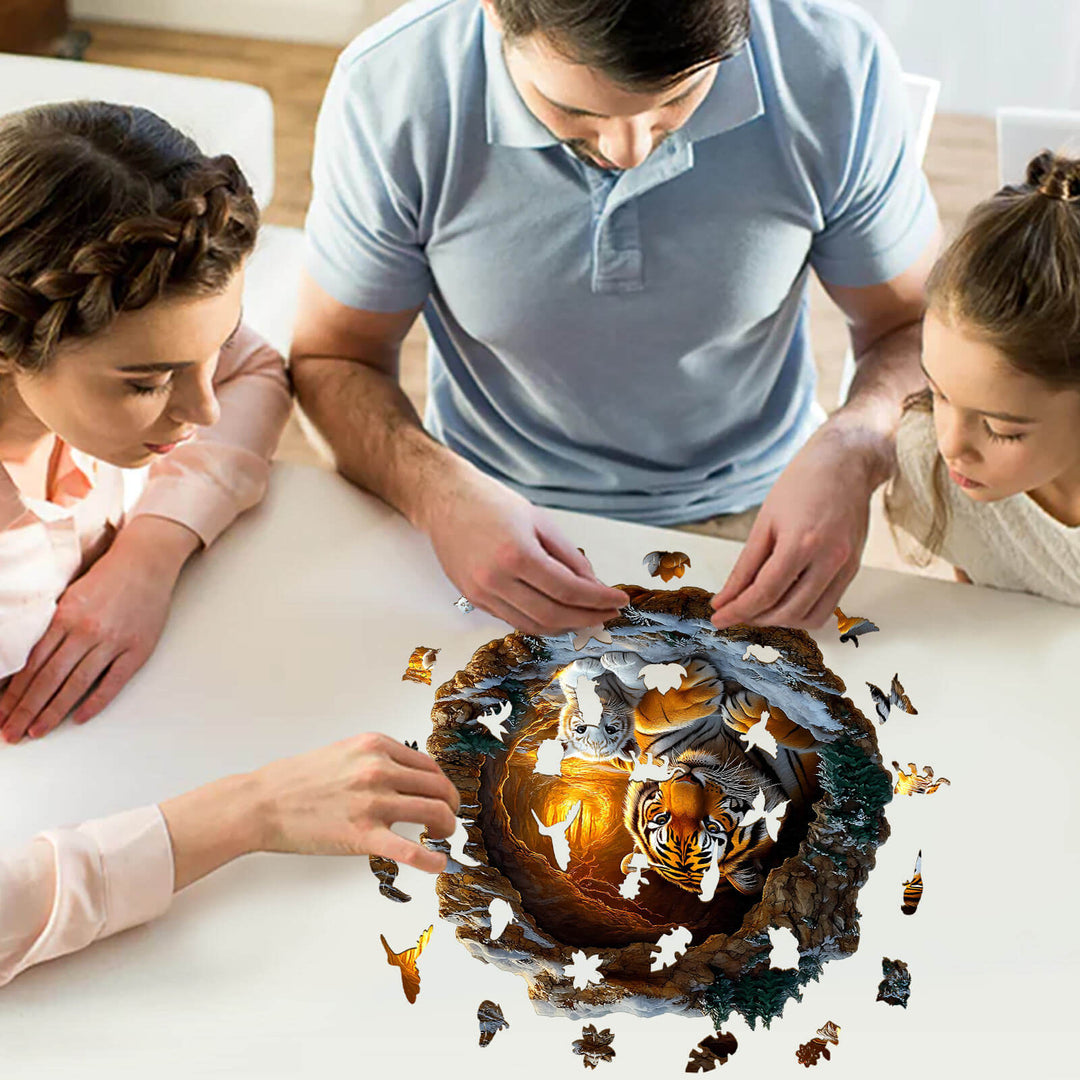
(581, 638)
(584, 969)
(502, 915)
(669, 947)
(556, 833)
(493, 719)
(662, 677)
(759, 737)
(648, 770)
(785, 948)
(457, 840)
(710, 879)
(772, 818)
(635, 875)
(549, 758)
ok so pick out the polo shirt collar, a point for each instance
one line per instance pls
(734, 99)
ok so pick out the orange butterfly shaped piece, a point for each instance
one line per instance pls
(851, 627)
(407, 962)
(420, 664)
(666, 564)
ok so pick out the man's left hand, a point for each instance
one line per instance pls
(807, 542)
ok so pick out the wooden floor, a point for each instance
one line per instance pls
(960, 164)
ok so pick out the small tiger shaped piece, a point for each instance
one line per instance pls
(913, 784)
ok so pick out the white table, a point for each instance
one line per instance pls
(293, 632)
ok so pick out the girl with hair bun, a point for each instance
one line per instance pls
(989, 454)
(122, 249)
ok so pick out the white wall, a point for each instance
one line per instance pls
(985, 52)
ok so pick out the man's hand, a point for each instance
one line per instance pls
(507, 557)
(106, 625)
(808, 539)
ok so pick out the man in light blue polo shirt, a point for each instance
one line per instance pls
(608, 221)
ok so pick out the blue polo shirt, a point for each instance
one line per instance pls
(631, 344)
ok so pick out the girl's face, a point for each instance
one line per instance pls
(999, 431)
(141, 387)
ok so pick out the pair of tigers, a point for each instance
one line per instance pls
(685, 823)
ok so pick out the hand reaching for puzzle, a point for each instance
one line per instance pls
(508, 558)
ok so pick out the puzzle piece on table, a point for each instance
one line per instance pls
(884, 703)
(764, 654)
(386, 872)
(549, 758)
(651, 769)
(457, 841)
(785, 948)
(556, 833)
(420, 664)
(852, 628)
(666, 564)
(584, 969)
(809, 1053)
(712, 1051)
(634, 867)
(464, 605)
(913, 889)
(412, 744)
(594, 1046)
(407, 962)
(758, 736)
(669, 947)
(662, 677)
(491, 1021)
(772, 818)
(501, 914)
(494, 719)
(895, 988)
(911, 783)
(581, 638)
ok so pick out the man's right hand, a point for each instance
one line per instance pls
(508, 558)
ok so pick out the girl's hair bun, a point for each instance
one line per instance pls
(1055, 176)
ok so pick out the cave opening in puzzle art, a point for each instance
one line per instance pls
(658, 783)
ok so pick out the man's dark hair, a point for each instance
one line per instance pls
(636, 43)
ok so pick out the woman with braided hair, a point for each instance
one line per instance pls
(989, 453)
(121, 346)
(121, 268)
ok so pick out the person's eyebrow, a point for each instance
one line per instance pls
(681, 96)
(1009, 418)
(150, 369)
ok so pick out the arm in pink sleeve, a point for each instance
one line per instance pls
(70, 887)
(206, 483)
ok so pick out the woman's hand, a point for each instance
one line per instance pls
(340, 800)
(106, 625)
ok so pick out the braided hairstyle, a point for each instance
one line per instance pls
(1012, 279)
(103, 209)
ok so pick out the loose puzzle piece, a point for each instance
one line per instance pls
(712, 1051)
(895, 988)
(491, 1020)
(412, 744)
(420, 663)
(669, 947)
(495, 719)
(809, 1053)
(464, 605)
(581, 638)
(457, 841)
(594, 1046)
(785, 948)
(407, 962)
(772, 818)
(651, 769)
(636, 866)
(549, 758)
(662, 677)
(913, 889)
(501, 914)
(666, 564)
(556, 833)
(913, 784)
(884, 703)
(386, 871)
(764, 654)
(584, 969)
(758, 736)
(851, 628)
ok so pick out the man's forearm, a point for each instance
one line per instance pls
(375, 433)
